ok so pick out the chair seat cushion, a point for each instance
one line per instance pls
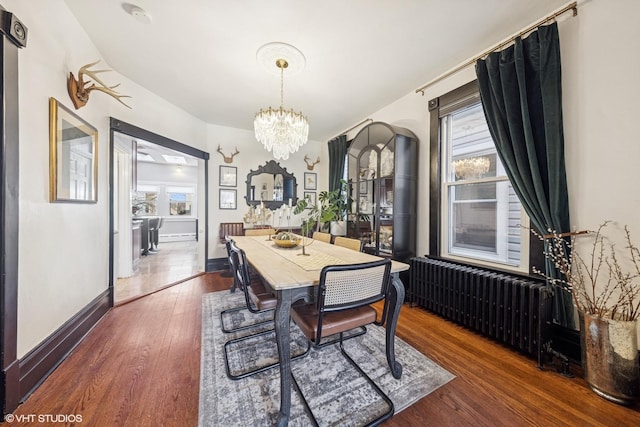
(260, 297)
(306, 317)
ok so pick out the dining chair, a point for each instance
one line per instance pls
(323, 237)
(230, 229)
(259, 231)
(348, 242)
(258, 300)
(342, 303)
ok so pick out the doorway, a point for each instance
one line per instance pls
(158, 212)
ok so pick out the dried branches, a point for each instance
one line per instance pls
(612, 294)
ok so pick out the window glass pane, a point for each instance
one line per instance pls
(144, 203)
(472, 151)
(485, 190)
(180, 203)
(474, 226)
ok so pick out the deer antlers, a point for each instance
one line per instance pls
(79, 89)
(227, 159)
(311, 165)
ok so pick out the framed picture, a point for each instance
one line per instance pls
(228, 176)
(310, 181)
(312, 197)
(73, 157)
(228, 199)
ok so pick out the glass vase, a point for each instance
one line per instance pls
(610, 357)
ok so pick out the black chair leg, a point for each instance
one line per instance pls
(384, 417)
(241, 328)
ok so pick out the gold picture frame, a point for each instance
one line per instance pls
(73, 157)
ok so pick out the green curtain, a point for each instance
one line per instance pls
(521, 94)
(337, 156)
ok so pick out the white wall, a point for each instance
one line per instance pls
(252, 155)
(63, 248)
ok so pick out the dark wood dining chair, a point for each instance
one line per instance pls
(230, 229)
(343, 303)
(258, 299)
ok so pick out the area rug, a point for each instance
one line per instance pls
(337, 394)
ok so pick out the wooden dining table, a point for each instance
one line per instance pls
(293, 276)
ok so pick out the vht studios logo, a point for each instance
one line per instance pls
(43, 418)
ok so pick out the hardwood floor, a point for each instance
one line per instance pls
(172, 263)
(140, 366)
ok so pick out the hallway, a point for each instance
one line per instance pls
(173, 262)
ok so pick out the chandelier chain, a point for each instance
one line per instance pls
(281, 87)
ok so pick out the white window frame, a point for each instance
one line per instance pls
(502, 210)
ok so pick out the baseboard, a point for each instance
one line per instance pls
(36, 366)
(179, 237)
(217, 264)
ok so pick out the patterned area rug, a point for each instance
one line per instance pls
(337, 394)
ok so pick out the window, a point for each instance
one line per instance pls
(180, 200)
(480, 216)
(145, 200)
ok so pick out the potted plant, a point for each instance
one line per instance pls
(331, 207)
(605, 287)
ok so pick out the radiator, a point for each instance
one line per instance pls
(513, 310)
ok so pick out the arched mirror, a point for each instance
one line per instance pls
(272, 185)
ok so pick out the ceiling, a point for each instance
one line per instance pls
(361, 55)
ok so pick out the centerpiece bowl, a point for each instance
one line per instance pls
(286, 240)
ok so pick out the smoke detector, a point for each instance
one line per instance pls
(137, 12)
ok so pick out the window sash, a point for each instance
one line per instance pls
(498, 254)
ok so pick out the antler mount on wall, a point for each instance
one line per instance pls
(227, 159)
(79, 89)
(310, 164)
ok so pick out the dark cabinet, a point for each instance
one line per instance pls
(383, 170)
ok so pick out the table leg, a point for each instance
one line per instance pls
(396, 298)
(281, 320)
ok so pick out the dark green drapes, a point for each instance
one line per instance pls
(521, 94)
(337, 155)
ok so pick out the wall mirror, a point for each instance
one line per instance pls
(272, 185)
(73, 163)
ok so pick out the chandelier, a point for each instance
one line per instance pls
(280, 131)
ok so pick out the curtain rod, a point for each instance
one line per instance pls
(572, 6)
(352, 128)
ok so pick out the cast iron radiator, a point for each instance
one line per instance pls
(513, 310)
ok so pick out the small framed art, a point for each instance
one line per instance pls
(228, 199)
(310, 181)
(228, 176)
(311, 195)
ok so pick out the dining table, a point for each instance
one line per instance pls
(292, 276)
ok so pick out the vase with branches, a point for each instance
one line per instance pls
(605, 287)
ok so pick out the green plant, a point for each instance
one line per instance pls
(331, 206)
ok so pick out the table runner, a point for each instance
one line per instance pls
(315, 260)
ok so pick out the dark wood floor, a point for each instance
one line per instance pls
(140, 366)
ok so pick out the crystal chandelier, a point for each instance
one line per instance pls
(281, 131)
